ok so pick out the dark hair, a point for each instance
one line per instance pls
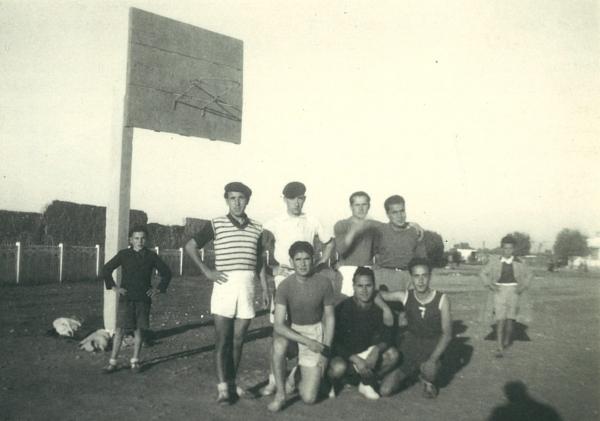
(299, 246)
(508, 239)
(363, 271)
(360, 194)
(419, 261)
(393, 200)
(138, 228)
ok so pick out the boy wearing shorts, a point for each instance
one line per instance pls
(135, 292)
(307, 300)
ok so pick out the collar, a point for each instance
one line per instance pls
(508, 261)
(236, 223)
(399, 228)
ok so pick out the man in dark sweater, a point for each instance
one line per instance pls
(361, 342)
(135, 292)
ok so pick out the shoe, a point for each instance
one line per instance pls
(110, 368)
(268, 390)
(368, 391)
(430, 391)
(499, 353)
(135, 367)
(290, 383)
(331, 394)
(244, 393)
(223, 397)
(276, 405)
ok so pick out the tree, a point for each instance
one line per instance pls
(523, 243)
(434, 246)
(570, 243)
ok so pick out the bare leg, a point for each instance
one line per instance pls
(310, 383)
(278, 367)
(223, 340)
(137, 345)
(508, 333)
(500, 336)
(117, 340)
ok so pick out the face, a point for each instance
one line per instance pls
(420, 278)
(294, 206)
(508, 250)
(360, 207)
(302, 263)
(137, 240)
(236, 202)
(397, 214)
(363, 288)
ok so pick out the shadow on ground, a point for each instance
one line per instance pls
(522, 407)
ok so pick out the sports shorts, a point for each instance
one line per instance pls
(392, 279)
(415, 351)
(306, 357)
(133, 314)
(234, 298)
(506, 302)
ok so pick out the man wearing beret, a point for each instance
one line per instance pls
(238, 249)
(287, 229)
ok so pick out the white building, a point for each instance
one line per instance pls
(593, 260)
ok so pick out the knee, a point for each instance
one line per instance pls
(279, 346)
(391, 356)
(308, 398)
(337, 368)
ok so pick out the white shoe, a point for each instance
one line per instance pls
(290, 383)
(368, 391)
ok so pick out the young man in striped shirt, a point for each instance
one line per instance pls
(238, 249)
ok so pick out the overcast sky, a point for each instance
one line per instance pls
(485, 116)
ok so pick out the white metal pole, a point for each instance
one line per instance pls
(202, 254)
(18, 262)
(180, 261)
(97, 260)
(61, 253)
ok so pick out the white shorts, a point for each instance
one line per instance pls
(306, 357)
(234, 298)
(366, 352)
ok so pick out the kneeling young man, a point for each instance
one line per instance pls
(429, 326)
(306, 299)
(362, 341)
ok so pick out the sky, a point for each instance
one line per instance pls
(484, 115)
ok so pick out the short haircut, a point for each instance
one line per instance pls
(419, 261)
(360, 194)
(363, 271)
(508, 239)
(393, 200)
(138, 228)
(300, 246)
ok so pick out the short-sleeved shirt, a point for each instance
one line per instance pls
(305, 301)
(287, 229)
(395, 248)
(357, 328)
(361, 251)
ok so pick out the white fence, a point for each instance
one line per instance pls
(34, 264)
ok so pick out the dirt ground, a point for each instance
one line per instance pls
(46, 378)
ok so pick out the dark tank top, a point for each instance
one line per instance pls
(424, 320)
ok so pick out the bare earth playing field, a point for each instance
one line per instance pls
(47, 378)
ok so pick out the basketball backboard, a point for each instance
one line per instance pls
(183, 79)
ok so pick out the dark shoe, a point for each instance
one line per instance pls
(429, 390)
(110, 368)
(223, 397)
(135, 367)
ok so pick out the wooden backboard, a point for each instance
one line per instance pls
(183, 79)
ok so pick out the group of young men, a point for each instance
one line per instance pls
(346, 334)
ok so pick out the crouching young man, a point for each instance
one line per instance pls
(361, 343)
(304, 314)
(429, 326)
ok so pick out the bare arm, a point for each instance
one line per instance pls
(287, 332)
(446, 331)
(327, 250)
(486, 278)
(393, 295)
(193, 251)
(328, 325)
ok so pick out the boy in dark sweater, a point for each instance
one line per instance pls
(135, 292)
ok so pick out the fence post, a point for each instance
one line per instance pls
(180, 261)
(61, 253)
(18, 262)
(97, 260)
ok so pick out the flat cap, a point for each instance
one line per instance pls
(294, 189)
(236, 186)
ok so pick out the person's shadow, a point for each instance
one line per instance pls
(519, 333)
(521, 407)
(457, 355)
